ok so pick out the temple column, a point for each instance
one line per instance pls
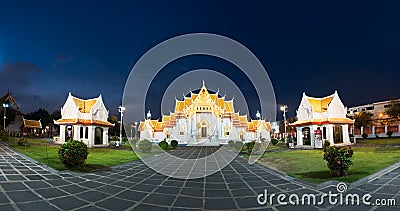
(299, 136)
(373, 129)
(362, 130)
(386, 129)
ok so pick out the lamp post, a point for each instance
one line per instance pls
(121, 109)
(148, 115)
(284, 109)
(135, 129)
(5, 105)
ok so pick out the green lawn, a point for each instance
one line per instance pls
(98, 158)
(385, 141)
(309, 165)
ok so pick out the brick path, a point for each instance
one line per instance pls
(26, 185)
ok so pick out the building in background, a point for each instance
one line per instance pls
(322, 119)
(381, 123)
(32, 127)
(84, 120)
(204, 119)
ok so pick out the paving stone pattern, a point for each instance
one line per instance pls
(27, 185)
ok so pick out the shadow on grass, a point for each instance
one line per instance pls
(321, 176)
(90, 168)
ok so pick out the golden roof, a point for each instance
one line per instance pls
(179, 106)
(214, 97)
(320, 104)
(84, 106)
(188, 101)
(229, 106)
(32, 123)
(221, 103)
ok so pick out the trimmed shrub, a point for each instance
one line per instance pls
(21, 142)
(144, 145)
(3, 135)
(338, 160)
(174, 143)
(274, 141)
(124, 140)
(163, 144)
(326, 145)
(389, 134)
(250, 146)
(364, 135)
(73, 153)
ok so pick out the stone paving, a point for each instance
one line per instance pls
(26, 185)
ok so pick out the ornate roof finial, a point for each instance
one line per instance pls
(203, 83)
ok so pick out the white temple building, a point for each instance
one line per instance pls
(84, 120)
(320, 119)
(204, 119)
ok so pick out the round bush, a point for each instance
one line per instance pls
(21, 142)
(174, 143)
(364, 135)
(274, 141)
(73, 153)
(133, 142)
(163, 144)
(338, 160)
(144, 145)
(250, 146)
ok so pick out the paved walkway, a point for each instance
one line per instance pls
(26, 185)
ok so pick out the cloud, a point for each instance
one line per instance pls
(17, 73)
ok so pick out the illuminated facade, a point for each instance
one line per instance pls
(204, 119)
(84, 120)
(322, 119)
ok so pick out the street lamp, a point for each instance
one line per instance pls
(148, 115)
(5, 105)
(135, 129)
(258, 115)
(121, 109)
(284, 109)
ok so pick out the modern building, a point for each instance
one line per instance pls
(84, 120)
(381, 123)
(204, 118)
(320, 119)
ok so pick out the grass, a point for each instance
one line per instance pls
(386, 141)
(309, 165)
(98, 158)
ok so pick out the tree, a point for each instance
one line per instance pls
(56, 115)
(42, 115)
(113, 131)
(393, 111)
(362, 119)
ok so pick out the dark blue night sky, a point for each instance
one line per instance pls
(48, 48)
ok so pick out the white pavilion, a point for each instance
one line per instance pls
(84, 120)
(322, 119)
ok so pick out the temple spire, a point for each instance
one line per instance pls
(203, 83)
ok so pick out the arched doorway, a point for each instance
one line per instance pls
(69, 132)
(98, 135)
(204, 129)
(306, 136)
